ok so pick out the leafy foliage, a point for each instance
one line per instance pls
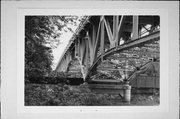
(62, 95)
(66, 95)
(42, 34)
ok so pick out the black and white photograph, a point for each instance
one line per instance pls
(89, 59)
(92, 60)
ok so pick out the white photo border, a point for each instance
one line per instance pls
(167, 63)
(95, 109)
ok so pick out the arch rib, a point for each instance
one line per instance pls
(153, 36)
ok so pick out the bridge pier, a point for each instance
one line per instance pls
(127, 93)
(123, 90)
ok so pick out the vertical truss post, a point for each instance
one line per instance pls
(65, 60)
(82, 49)
(102, 39)
(94, 35)
(97, 41)
(109, 32)
(78, 47)
(120, 28)
(75, 47)
(91, 45)
(81, 59)
(135, 27)
(87, 52)
(65, 66)
(115, 31)
(70, 56)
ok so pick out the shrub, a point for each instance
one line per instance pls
(47, 80)
(66, 95)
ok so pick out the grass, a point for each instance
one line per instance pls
(66, 95)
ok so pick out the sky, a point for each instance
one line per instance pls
(64, 39)
(60, 49)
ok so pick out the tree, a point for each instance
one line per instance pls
(41, 36)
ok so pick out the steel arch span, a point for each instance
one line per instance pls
(114, 49)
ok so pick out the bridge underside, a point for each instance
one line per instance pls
(114, 50)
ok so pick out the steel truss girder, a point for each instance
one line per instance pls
(148, 38)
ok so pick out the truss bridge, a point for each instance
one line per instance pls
(114, 53)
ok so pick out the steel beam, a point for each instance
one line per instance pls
(97, 41)
(102, 39)
(87, 52)
(109, 32)
(135, 27)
